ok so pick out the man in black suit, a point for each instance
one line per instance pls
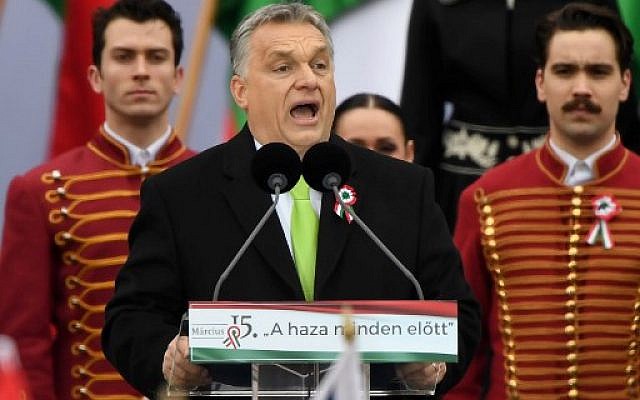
(194, 218)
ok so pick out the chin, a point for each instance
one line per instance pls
(308, 137)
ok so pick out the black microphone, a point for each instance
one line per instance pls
(276, 168)
(325, 167)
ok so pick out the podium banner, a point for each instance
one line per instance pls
(385, 331)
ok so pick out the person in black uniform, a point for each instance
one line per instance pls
(477, 55)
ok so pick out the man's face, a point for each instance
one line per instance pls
(137, 76)
(376, 129)
(582, 86)
(287, 90)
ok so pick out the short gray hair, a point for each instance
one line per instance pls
(274, 13)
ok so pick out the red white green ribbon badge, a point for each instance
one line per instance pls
(349, 197)
(605, 208)
(233, 337)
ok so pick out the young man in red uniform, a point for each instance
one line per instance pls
(551, 239)
(66, 224)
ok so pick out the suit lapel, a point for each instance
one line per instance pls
(249, 203)
(332, 233)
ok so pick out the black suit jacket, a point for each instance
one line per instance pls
(195, 216)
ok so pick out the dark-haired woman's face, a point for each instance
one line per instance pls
(377, 130)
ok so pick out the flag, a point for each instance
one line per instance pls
(13, 383)
(344, 379)
(78, 110)
(231, 12)
(630, 10)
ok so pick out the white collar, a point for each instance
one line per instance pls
(571, 161)
(140, 156)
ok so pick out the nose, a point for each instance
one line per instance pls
(306, 78)
(582, 85)
(140, 68)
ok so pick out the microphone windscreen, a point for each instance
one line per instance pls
(276, 160)
(323, 159)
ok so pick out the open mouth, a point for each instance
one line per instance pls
(304, 111)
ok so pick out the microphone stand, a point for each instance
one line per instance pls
(378, 242)
(245, 245)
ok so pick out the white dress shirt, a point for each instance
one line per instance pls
(137, 155)
(580, 171)
(285, 206)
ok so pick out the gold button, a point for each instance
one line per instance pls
(571, 344)
(505, 308)
(570, 290)
(573, 394)
(569, 329)
(61, 191)
(486, 209)
(578, 189)
(489, 221)
(575, 212)
(511, 357)
(501, 283)
(634, 327)
(66, 235)
(571, 304)
(572, 264)
(632, 352)
(572, 357)
(574, 238)
(571, 276)
(507, 319)
(511, 344)
(576, 227)
(502, 294)
(576, 201)
(570, 317)
(507, 331)
(489, 231)
(513, 383)
(55, 174)
(495, 257)
(572, 370)
(573, 251)
(64, 211)
(572, 381)
(633, 344)
(491, 243)
(497, 270)
(512, 370)
(631, 381)
(636, 305)
(629, 369)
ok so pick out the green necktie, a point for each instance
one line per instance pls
(304, 236)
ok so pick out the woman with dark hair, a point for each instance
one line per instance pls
(375, 122)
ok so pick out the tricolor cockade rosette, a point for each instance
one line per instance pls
(349, 197)
(605, 207)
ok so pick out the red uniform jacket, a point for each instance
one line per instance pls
(64, 240)
(559, 285)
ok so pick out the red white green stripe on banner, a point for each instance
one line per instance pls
(384, 331)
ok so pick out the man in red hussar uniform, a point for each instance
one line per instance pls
(551, 239)
(66, 224)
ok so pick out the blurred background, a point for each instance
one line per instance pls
(43, 97)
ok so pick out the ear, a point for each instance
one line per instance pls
(94, 78)
(626, 85)
(238, 88)
(542, 97)
(409, 149)
(179, 78)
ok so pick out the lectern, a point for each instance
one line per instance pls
(282, 350)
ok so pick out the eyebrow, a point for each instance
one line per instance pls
(277, 53)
